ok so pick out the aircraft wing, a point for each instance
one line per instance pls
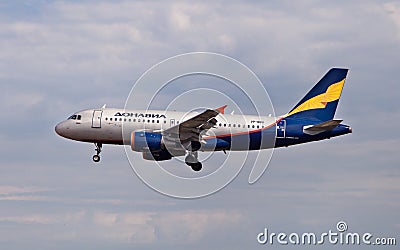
(190, 129)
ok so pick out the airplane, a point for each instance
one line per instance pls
(161, 135)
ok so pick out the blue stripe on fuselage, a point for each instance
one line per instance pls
(253, 140)
(295, 135)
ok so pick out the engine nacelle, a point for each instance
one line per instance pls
(146, 141)
(154, 147)
(161, 155)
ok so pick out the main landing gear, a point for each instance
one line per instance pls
(192, 161)
(96, 157)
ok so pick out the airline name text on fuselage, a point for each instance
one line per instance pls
(138, 115)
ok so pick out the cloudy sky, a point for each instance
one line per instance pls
(58, 57)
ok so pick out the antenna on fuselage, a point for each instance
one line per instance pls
(104, 106)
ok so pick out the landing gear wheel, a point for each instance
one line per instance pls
(192, 161)
(96, 158)
(196, 166)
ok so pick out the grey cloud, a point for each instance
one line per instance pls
(59, 57)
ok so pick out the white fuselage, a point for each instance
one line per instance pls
(107, 125)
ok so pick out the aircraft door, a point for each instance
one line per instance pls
(96, 119)
(281, 129)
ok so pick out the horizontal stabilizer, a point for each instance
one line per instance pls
(321, 127)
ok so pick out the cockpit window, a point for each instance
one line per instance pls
(75, 117)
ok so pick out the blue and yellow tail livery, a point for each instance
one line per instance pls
(321, 101)
(312, 118)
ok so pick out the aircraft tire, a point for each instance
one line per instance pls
(196, 166)
(96, 158)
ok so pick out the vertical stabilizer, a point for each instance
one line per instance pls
(322, 100)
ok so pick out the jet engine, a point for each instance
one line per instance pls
(160, 155)
(146, 141)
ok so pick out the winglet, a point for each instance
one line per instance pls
(104, 106)
(222, 109)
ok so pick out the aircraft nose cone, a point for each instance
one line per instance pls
(59, 129)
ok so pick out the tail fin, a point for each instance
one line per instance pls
(322, 100)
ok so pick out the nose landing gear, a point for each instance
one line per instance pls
(96, 157)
